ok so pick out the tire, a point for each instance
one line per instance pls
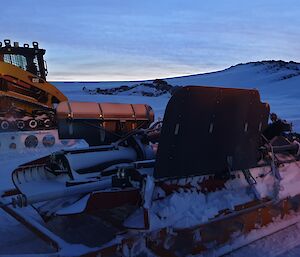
(20, 124)
(33, 124)
(47, 123)
(4, 125)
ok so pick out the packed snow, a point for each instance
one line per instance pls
(176, 211)
(279, 85)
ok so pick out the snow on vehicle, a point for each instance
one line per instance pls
(215, 183)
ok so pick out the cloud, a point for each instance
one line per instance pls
(109, 39)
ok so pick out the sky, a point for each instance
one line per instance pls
(109, 40)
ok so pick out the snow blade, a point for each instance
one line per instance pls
(209, 130)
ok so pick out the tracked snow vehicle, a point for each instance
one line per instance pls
(214, 184)
(26, 100)
(30, 107)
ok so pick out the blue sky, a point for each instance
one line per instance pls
(141, 39)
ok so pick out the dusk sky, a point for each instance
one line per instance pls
(136, 39)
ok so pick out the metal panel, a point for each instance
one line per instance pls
(208, 130)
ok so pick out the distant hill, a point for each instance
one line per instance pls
(154, 88)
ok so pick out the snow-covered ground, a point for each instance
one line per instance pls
(279, 85)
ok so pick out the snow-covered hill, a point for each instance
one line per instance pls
(277, 81)
(249, 75)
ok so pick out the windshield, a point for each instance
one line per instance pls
(17, 60)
